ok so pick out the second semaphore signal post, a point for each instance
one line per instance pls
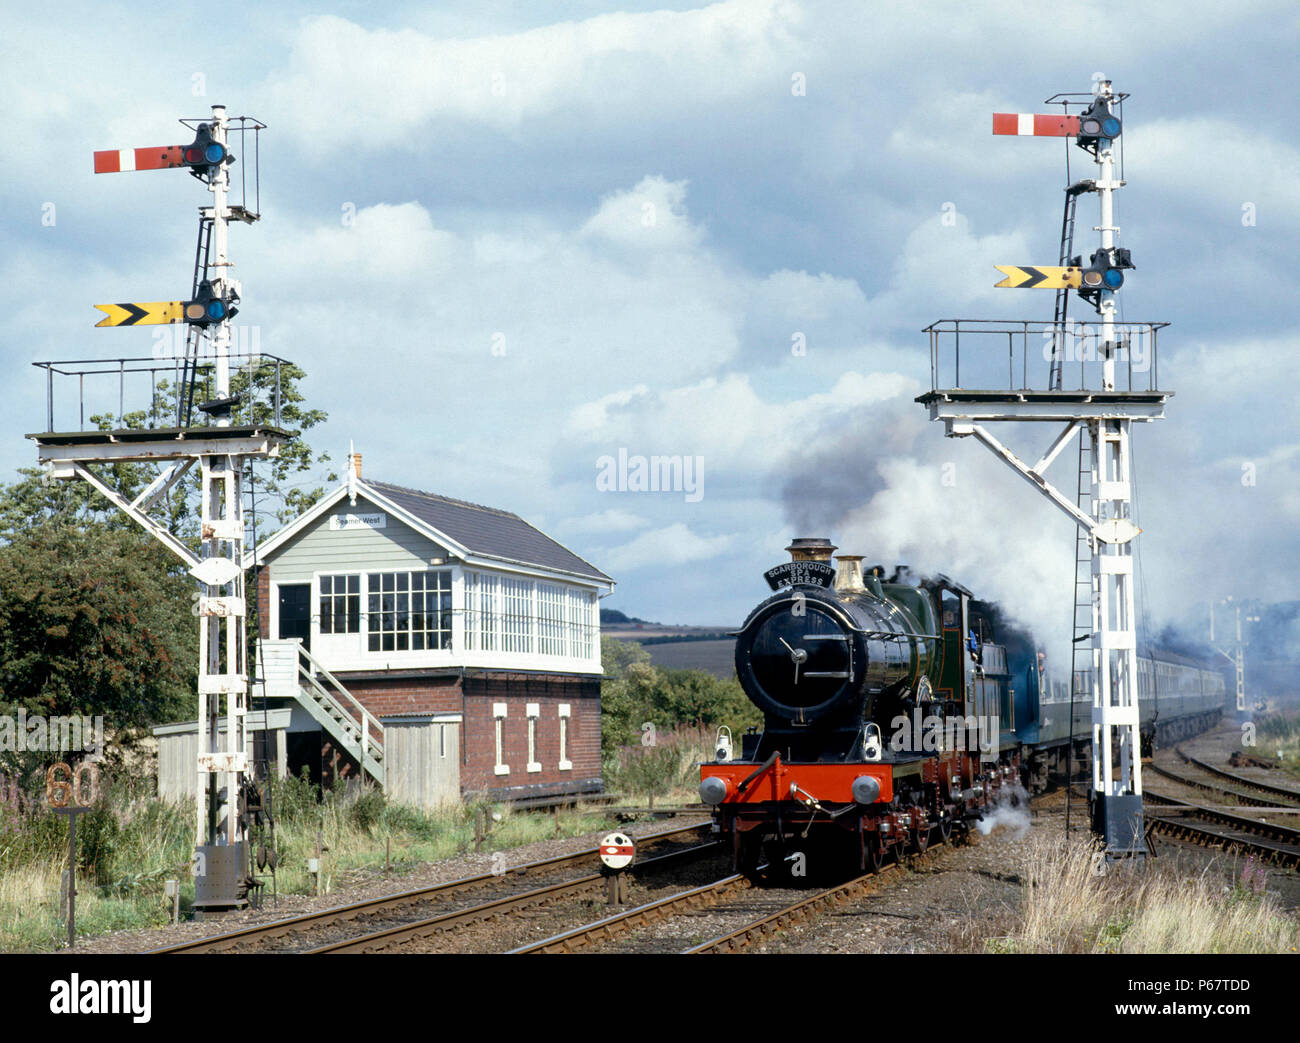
(985, 371)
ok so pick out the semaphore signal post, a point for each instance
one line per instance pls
(229, 437)
(1030, 375)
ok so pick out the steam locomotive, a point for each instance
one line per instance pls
(896, 711)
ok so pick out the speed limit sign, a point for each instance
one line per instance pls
(617, 851)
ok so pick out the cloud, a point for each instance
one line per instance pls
(500, 165)
(603, 522)
(381, 88)
(1262, 170)
(650, 216)
(672, 545)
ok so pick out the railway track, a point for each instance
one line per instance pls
(814, 905)
(292, 933)
(1283, 834)
(403, 934)
(1206, 787)
(642, 915)
(614, 927)
(1284, 855)
(1289, 795)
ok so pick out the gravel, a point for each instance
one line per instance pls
(358, 886)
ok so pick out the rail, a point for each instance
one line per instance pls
(113, 389)
(1016, 355)
(1240, 780)
(368, 725)
(334, 915)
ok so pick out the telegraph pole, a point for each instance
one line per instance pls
(1237, 656)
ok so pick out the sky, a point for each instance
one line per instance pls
(509, 241)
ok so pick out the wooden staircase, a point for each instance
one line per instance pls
(290, 671)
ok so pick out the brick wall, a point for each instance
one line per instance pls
(516, 692)
(384, 697)
(474, 697)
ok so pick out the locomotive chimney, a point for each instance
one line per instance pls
(848, 577)
(805, 548)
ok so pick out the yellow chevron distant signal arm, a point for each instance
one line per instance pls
(1040, 277)
(154, 313)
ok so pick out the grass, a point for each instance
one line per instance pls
(1281, 732)
(664, 768)
(1140, 907)
(131, 843)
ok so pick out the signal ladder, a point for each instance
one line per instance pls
(202, 256)
(1080, 647)
(1063, 294)
(1084, 598)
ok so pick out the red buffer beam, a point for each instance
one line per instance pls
(119, 161)
(1039, 125)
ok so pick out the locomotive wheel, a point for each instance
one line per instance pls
(921, 838)
(945, 829)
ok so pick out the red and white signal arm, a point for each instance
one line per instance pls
(617, 851)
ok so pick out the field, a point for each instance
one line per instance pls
(132, 843)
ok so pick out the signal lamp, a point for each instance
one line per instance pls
(1104, 274)
(203, 151)
(207, 307)
(1097, 124)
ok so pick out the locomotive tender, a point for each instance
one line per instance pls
(899, 710)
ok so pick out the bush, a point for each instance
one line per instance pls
(98, 833)
(635, 693)
(659, 768)
(367, 810)
(294, 800)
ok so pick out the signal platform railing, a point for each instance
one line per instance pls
(113, 391)
(1018, 355)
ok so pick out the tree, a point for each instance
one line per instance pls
(95, 620)
(635, 693)
(95, 615)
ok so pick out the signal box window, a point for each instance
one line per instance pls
(340, 604)
(409, 611)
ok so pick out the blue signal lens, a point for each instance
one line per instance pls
(214, 153)
(1110, 127)
(217, 310)
(1113, 278)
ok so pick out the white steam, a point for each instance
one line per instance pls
(899, 492)
(1012, 811)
